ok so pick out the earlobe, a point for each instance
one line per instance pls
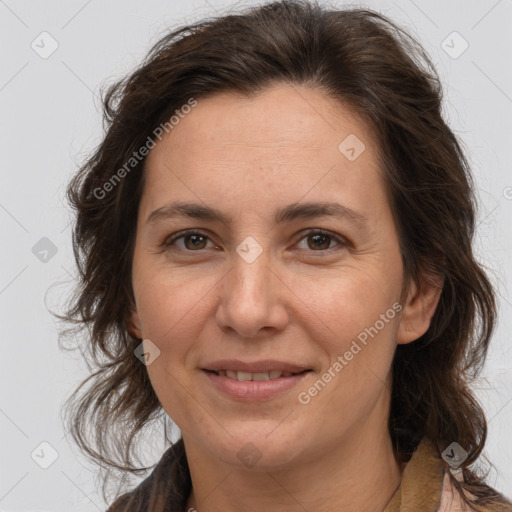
(419, 308)
(134, 325)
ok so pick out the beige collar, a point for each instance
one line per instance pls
(425, 484)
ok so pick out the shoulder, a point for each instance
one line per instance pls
(429, 484)
(155, 488)
(452, 500)
(136, 499)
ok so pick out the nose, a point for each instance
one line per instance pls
(252, 300)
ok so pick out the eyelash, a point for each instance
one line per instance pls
(169, 241)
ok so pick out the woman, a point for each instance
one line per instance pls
(274, 240)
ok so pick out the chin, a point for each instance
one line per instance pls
(258, 452)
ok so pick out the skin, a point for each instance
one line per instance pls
(295, 302)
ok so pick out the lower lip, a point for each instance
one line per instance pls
(253, 390)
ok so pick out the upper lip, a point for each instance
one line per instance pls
(255, 366)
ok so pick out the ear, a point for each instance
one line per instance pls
(134, 327)
(419, 308)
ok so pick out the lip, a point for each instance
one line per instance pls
(253, 390)
(255, 366)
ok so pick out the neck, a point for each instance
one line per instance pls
(360, 473)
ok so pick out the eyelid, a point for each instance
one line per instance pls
(341, 240)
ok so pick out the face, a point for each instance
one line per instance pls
(269, 278)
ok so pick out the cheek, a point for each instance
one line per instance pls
(169, 316)
(357, 372)
(340, 306)
(169, 302)
(355, 324)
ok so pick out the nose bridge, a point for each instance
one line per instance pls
(250, 295)
(251, 272)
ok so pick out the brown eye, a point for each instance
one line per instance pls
(321, 241)
(192, 241)
(195, 241)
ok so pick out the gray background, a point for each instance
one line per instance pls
(49, 122)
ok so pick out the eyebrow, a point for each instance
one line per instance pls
(179, 209)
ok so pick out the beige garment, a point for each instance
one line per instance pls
(425, 485)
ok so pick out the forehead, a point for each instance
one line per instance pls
(281, 142)
(281, 115)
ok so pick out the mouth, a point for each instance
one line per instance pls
(244, 386)
(244, 376)
(254, 381)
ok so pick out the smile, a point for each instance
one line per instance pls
(253, 387)
(246, 376)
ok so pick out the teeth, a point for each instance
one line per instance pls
(261, 376)
(246, 376)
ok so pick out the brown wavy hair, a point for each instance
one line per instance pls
(366, 61)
